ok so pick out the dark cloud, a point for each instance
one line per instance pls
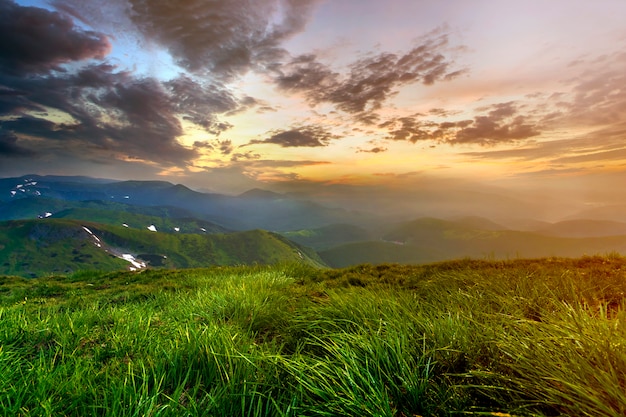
(305, 73)
(245, 156)
(370, 80)
(97, 108)
(199, 103)
(502, 123)
(306, 136)
(203, 145)
(34, 40)
(220, 37)
(104, 110)
(10, 148)
(225, 147)
(489, 131)
(598, 146)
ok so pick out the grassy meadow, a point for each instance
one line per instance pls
(520, 337)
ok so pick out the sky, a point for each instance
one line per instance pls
(338, 98)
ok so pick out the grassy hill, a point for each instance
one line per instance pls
(328, 236)
(140, 221)
(50, 246)
(502, 338)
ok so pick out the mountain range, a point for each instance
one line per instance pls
(52, 224)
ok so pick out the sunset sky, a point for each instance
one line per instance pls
(289, 95)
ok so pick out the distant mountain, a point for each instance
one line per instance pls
(430, 240)
(584, 228)
(250, 210)
(612, 213)
(48, 246)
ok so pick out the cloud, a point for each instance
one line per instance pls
(376, 149)
(35, 41)
(225, 146)
(245, 156)
(305, 136)
(371, 80)
(112, 112)
(223, 38)
(600, 146)
(10, 148)
(599, 93)
(199, 103)
(285, 163)
(502, 123)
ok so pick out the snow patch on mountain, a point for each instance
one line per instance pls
(28, 187)
(137, 264)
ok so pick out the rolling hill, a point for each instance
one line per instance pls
(328, 236)
(584, 228)
(429, 240)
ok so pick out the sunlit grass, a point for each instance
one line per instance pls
(526, 337)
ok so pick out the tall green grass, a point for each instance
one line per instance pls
(526, 337)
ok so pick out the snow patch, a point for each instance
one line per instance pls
(13, 192)
(19, 185)
(91, 233)
(130, 258)
(152, 228)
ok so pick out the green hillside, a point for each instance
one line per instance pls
(539, 337)
(42, 247)
(51, 246)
